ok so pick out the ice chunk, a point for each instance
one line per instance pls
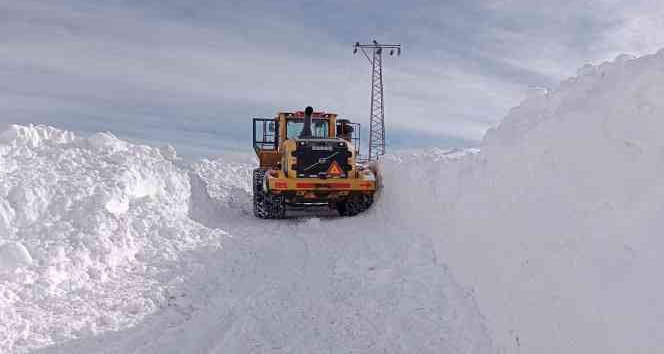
(14, 255)
(117, 206)
(107, 141)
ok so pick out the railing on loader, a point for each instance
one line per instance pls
(266, 134)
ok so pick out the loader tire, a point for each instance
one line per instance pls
(354, 205)
(266, 205)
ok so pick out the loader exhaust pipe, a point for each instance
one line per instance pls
(306, 130)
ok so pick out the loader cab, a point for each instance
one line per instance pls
(322, 125)
(271, 134)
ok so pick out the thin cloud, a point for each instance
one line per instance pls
(196, 72)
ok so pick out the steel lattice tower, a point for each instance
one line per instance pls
(377, 110)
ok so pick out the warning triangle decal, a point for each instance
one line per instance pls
(334, 169)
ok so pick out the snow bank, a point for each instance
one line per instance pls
(87, 226)
(227, 181)
(556, 223)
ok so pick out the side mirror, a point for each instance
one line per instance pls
(270, 127)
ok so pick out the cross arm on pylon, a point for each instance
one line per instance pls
(376, 45)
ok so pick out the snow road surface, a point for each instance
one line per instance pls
(546, 240)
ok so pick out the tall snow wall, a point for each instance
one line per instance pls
(83, 224)
(555, 225)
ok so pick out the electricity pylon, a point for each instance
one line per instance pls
(377, 112)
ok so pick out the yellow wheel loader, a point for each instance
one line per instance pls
(307, 159)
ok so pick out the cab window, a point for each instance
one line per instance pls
(319, 128)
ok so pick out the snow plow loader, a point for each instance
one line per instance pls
(308, 159)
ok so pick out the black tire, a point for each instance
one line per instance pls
(277, 206)
(266, 206)
(259, 207)
(354, 205)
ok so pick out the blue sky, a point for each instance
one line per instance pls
(193, 73)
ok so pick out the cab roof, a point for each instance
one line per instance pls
(300, 114)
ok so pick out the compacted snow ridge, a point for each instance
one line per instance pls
(546, 240)
(555, 225)
(92, 231)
